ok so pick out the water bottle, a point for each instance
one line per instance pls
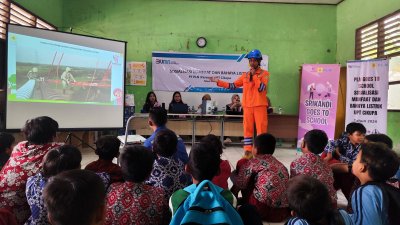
(279, 110)
(298, 147)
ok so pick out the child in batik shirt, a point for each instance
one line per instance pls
(311, 164)
(168, 171)
(133, 201)
(263, 180)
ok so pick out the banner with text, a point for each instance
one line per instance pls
(190, 72)
(318, 99)
(367, 94)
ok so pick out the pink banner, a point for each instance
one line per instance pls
(318, 99)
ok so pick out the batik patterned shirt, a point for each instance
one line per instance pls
(312, 165)
(348, 151)
(34, 194)
(168, 173)
(25, 161)
(270, 179)
(136, 204)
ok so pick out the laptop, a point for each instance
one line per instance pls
(179, 108)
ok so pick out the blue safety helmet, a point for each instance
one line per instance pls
(254, 54)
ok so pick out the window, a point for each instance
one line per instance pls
(11, 12)
(394, 84)
(380, 38)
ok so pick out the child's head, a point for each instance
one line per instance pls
(264, 144)
(305, 195)
(315, 141)
(214, 142)
(40, 130)
(381, 138)
(356, 132)
(136, 163)
(157, 117)
(203, 162)
(376, 162)
(66, 157)
(107, 147)
(165, 143)
(75, 197)
(6, 143)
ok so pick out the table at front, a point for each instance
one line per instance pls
(281, 126)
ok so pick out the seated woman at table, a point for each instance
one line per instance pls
(235, 107)
(176, 100)
(151, 101)
(206, 97)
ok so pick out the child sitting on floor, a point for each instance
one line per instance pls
(107, 148)
(263, 181)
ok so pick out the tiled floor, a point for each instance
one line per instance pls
(233, 154)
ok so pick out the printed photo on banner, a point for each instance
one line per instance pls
(367, 94)
(190, 72)
(136, 73)
(318, 98)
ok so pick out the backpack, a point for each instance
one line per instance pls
(205, 205)
(391, 198)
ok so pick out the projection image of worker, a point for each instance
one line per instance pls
(33, 74)
(254, 103)
(67, 78)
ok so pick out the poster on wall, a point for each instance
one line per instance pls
(318, 99)
(136, 73)
(367, 94)
(190, 72)
(129, 100)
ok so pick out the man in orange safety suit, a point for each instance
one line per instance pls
(254, 101)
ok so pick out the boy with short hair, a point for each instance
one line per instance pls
(381, 138)
(371, 203)
(75, 197)
(107, 148)
(311, 164)
(346, 149)
(158, 119)
(264, 180)
(221, 179)
(203, 165)
(168, 172)
(347, 146)
(134, 202)
(305, 193)
(6, 144)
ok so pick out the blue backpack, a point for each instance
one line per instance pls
(205, 205)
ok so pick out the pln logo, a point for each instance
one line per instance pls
(320, 69)
(165, 61)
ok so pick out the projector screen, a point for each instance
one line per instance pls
(77, 80)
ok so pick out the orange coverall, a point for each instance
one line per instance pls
(254, 103)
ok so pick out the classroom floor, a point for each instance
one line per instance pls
(233, 154)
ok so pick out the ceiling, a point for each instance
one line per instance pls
(325, 2)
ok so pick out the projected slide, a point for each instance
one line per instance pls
(48, 71)
(75, 79)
